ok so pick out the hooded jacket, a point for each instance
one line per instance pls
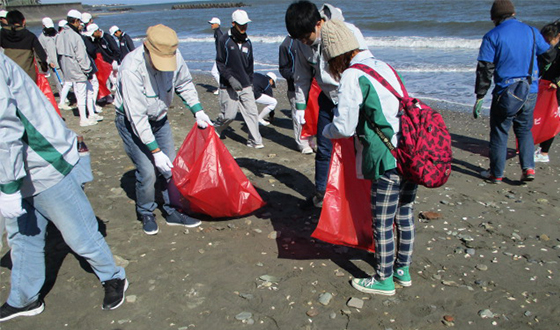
(235, 60)
(21, 45)
(37, 150)
(49, 45)
(73, 57)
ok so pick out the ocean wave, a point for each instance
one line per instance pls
(424, 42)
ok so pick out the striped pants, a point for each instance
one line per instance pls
(392, 199)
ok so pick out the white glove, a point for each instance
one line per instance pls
(202, 119)
(10, 205)
(300, 116)
(163, 163)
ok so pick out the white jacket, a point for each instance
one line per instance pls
(37, 150)
(144, 94)
(74, 60)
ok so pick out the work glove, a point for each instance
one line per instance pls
(300, 116)
(163, 163)
(235, 84)
(10, 205)
(202, 119)
(477, 107)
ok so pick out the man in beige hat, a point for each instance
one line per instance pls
(147, 79)
(235, 63)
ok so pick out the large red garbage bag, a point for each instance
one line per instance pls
(546, 117)
(209, 178)
(309, 129)
(104, 70)
(45, 87)
(346, 215)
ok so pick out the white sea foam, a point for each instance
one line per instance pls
(424, 42)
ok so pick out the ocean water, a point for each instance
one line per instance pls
(432, 43)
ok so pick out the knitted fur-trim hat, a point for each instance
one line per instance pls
(337, 39)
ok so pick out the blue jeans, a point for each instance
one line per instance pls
(67, 207)
(500, 123)
(324, 145)
(147, 174)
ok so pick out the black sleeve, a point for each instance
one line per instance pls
(484, 72)
(547, 58)
(259, 84)
(129, 43)
(114, 47)
(286, 60)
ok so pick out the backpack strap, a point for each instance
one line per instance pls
(386, 84)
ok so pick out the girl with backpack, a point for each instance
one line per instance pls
(364, 103)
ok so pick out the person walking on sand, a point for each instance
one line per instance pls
(215, 25)
(40, 182)
(362, 100)
(147, 79)
(304, 22)
(508, 52)
(287, 54)
(551, 33)
(235, 63)
(262, 89)
(76, 65)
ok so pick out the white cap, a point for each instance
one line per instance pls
(240, 17)
(74, 14)
(90, 29)
(47, 22)
(113, 29)
(62, 23)
(272, 76)
(215, 20)
(86, 17)
(3, 13)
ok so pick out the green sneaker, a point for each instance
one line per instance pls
(371, 285)
(402, 276)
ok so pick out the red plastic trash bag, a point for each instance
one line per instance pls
(45, 87)
(346, 215)
(209, 178)
(309, 129)
(546, 119)
(104, 70)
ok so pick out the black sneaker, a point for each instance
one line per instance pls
(114, 293)
(179, 219)
(8, 312)
(149, 224)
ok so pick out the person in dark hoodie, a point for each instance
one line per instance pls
(126, 45)
(21, 45)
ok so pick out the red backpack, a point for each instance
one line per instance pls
(424, 150)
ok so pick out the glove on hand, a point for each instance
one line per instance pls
(202, 119)
(163, 163)
(476, 108)
(10, 205)
(235, 84)
(300, 116)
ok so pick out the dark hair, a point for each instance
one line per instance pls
(15, 17)
(301, 18)
(71, 20)
(49, 32)
(339, 63)
(551, 30)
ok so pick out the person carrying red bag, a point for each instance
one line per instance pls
(362, 102)
(147, 79)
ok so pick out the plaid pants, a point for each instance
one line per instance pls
(392, 199)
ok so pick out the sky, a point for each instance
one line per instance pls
(124, 2)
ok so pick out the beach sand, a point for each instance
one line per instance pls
(489, 262)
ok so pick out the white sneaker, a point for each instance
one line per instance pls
(65, 107)
(254, 145)
(96, 117)
(216, 92)
(263, 122)
(307, 150)
(88, 122)
(98, 109)
(540, 158)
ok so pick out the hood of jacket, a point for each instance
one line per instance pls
(14, 34)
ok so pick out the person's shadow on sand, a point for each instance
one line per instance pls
(56, 251)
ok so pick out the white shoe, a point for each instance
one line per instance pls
(88, 122)
(96, 117)
(263, 122)
(540, 158)
(65, 107)
(256, 146)
(216, 92)
(307, 150)
(98, 109)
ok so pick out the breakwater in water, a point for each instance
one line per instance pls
(209, 5)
